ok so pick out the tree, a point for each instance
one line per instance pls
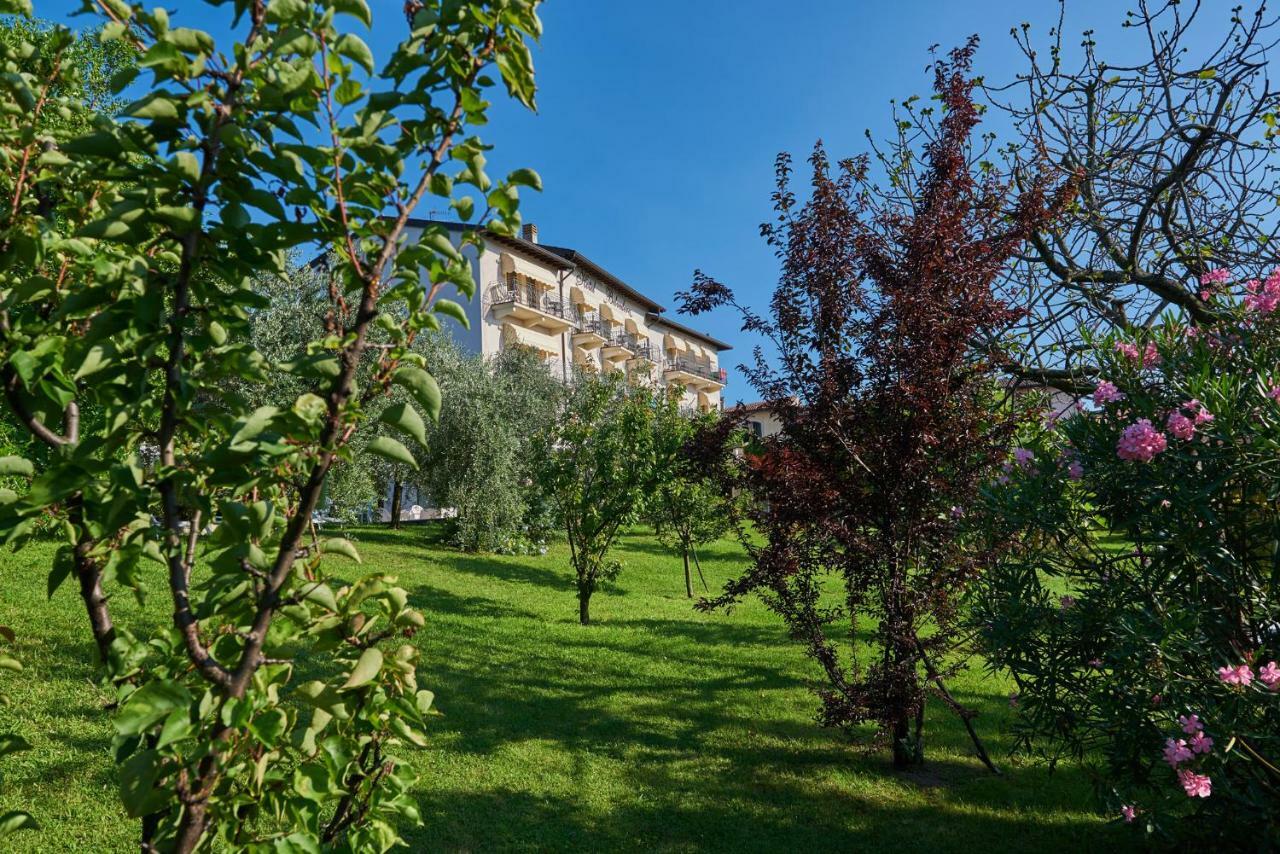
(596, 466)
(1174, 153)
(480, 456)
(127, 259)
(687, 508)
(889, 418)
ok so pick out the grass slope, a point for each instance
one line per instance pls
(657, 728)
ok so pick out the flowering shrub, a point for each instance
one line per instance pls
(1139, 613)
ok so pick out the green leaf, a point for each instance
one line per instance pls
(353, 48)
(340, 546)
(440, 242)
(149, 705)
(155, 106)
(7, 663)
(11, 822)
(449, 308)
(63, 563)
(366, 669)
(11, 743)
(526, 178)
(406, 419)
(1208, 74)
(286, 11)
(320, 593)
(138, 775)
(269, 726)
(98, 357)
(16, 466)
(422, 386)
(254, 424)
(385, 446)
(358, 8)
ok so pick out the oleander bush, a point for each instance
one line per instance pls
(1139, 612)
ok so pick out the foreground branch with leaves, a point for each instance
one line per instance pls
(269, 712)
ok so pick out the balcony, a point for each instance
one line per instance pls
(530, 306)
(592, 332)
(643, 349)
(619, 347)
(693, 375)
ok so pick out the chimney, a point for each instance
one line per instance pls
(530, 232)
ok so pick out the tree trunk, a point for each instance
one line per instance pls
(906, 749)
(584, 606)
(688, 579)
(396, 494)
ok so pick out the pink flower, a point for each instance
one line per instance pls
(1263, 297)
(1141, 442)
(1195, 785)
(1274, 394)
(1023, 457)
(1219, 276)
(1238, 675)
(1075, 471)
(1129, 813)
(1190, 724)
(1066, 603)
(1180, 426)
(1129, 351)
(1150, 356)
(1013, 699)
(1201, 743)
(1106, 392)
(1197, 409)
(1269, 673)
(1176, 751)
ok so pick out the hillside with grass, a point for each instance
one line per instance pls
(656, 728)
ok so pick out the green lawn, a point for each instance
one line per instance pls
(657, 728)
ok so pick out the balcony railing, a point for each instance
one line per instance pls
(592, 324)
(643, 350)
(527, 295)
(690, 367)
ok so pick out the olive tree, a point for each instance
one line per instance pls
(128, 251)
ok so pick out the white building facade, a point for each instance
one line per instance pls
(576, 313)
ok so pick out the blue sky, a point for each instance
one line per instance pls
(659, 121)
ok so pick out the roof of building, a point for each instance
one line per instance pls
(663, 320)
(748, 408)
(542, 253)
(580, 260)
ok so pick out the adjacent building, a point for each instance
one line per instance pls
(575, 313)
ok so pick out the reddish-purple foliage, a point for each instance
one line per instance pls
(890, 419)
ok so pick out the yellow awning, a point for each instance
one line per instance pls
(509, 263)
(608, 312)
(576, 296)
(540, 341)
(631, 326)
(671, 342)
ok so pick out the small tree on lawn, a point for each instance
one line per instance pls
(889, 421)
(687, 507)
(597, 468)
(128, 254)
